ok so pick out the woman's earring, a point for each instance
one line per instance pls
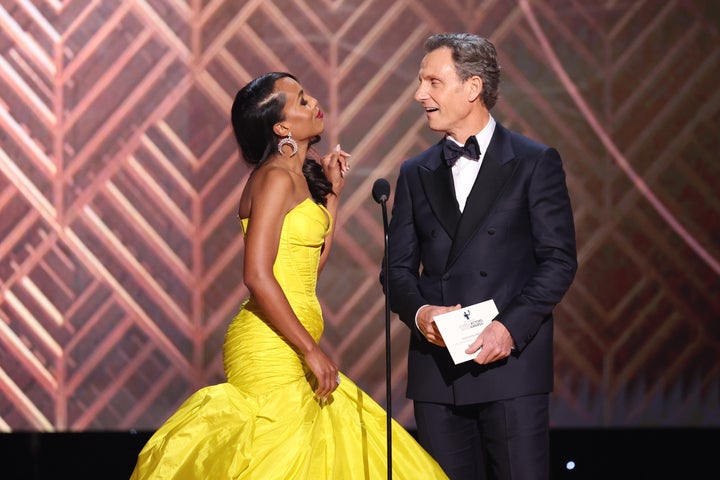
(288, 141)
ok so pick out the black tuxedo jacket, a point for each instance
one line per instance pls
(514, 243)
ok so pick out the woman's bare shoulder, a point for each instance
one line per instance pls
(268, 184)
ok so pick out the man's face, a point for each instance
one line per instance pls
(447, 101)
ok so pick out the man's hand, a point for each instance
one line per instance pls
(426, 323)
(494, 343)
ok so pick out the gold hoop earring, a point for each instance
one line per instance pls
(288, 141)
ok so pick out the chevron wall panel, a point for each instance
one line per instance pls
(120, 250)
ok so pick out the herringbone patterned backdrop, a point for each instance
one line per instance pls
(120, 252)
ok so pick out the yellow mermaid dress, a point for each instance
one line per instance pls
(265, 423)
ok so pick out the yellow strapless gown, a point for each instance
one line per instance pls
(264, 423)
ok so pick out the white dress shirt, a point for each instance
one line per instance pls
(465, 170)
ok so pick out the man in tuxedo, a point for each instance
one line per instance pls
(491, 220)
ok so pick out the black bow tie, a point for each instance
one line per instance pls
(452, 151)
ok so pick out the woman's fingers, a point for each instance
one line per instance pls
(342, 157)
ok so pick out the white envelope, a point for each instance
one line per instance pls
(460, 328)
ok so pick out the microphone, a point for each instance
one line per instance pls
(381, 190)
(380, 193)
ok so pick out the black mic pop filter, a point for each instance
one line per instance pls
(381, 190)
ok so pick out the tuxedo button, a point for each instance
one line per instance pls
(446, 277)
(491, 231)
(483, 274)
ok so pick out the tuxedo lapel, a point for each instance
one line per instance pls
(497, 168)
(437, 182)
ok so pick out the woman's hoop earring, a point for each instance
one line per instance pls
(288, 141)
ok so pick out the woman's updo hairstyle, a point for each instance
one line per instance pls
(256, 109)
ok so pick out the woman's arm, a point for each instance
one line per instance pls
(335, 165)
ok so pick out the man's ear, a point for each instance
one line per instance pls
(475, 85)
(281, 129)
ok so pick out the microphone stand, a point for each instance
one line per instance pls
(388, 363)
(380, 193)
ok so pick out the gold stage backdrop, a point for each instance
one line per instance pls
(120, 252)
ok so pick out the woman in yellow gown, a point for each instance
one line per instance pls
(285, 412)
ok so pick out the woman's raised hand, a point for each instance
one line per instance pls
(336, 165)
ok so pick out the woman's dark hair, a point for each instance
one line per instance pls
(256, 109)
(473, 55)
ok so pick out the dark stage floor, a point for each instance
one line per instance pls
(676, 454)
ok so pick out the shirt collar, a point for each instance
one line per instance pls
(483, 137)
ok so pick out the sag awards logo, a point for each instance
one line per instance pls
(470, 323)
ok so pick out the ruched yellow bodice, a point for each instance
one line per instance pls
(265, 423)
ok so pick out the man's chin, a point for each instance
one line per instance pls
(434, 126)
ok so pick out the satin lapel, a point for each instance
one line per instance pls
(497, 168)
(438, 186)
